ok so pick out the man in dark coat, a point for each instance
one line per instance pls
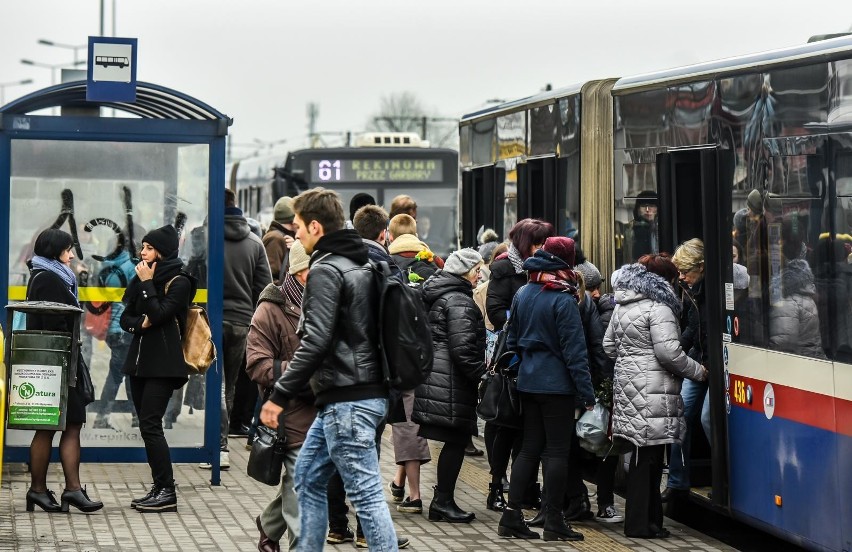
(279, 238)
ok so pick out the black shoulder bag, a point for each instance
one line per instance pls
(499, 404)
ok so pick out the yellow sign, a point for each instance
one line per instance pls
(97, 294)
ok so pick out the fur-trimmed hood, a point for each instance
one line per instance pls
(272, 294)
(796, 278)
(634, 283)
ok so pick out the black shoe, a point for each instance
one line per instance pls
(80, 500)
(241, 431)
(512, 525)
(538, 520)
(555, 528)
(532, 498)
(339, 536)
(409, 506)
(151, 492)
(401, 542)
(653, 534)
(45, 500)
(397, 493)
(444, 508)
(471, 450)
(579, 508)
(495, 500)
(165, 500)
(671, 494)
(168, 424)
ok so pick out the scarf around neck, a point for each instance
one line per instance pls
(556, 280)
(516, 259)
(65, 273)
(293, 289)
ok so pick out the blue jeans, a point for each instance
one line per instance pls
(693, 398)
(343, 436)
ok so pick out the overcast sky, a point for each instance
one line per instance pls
(262, 61)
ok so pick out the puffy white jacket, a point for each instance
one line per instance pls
(643, 338)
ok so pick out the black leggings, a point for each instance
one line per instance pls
(548, 428)
(449, 466)
(151, 398)
(502, 445)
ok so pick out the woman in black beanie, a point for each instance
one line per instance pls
(155, 314)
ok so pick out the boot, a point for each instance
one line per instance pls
(555, 528)
(80, 500)
(151, 492)
(538, 520)
(579, 508)
(512, 525)
(532, 498)
(444, 508)
(45, 500)
(495, 501)
(164, 501)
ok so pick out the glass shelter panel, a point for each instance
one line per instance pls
(107, 195)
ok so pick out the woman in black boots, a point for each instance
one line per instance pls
(546, 332)
(157, 301)
(52, 279)
(445, 404)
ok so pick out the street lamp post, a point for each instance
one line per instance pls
(3, 86)
(52, 66)
(67, 47)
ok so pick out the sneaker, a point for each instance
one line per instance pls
(409, 506)
(401, 542)
(398, 493)
(610, 514)
(339, 536)
(224, 462)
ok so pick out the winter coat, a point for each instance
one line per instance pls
(339, 352)
(270, 345)
(600, 365)
(245, 273)
(448, 397)
(546, 331)
(606, 304)
(643, 338)
(480, 296)
(277, 252)
(794, 321)
(404, 250)
(157, 351)
(502, 287)
(46, 286)
(694, 336)
(378, 254)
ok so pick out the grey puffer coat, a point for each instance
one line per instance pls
(644, 338)
(794, 321)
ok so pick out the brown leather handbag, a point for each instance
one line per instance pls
(199, 351)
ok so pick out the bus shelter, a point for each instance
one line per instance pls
(108, 181)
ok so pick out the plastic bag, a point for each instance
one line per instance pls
(592, 429)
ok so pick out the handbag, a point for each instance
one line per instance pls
(499, 404)
(85, 387)
(267, 455)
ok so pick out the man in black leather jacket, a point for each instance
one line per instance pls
(339, 355)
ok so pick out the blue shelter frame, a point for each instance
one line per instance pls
(165, 117)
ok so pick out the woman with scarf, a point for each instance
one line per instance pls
(546, 332)
(270, 345)
(643, 337)
(51, 279)
(507, 277)
(156, 303)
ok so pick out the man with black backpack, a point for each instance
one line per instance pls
(340, 355)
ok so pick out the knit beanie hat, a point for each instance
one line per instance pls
(591, 274)
(359, 200)
(283, 210)
(755, 201)
(164, 240)
(561, 247)
(299, 259)
(462, 261)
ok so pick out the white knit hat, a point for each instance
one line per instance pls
(298, 258)
(462, 261)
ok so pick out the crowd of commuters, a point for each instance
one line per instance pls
(300, 322)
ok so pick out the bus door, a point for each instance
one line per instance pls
(694, 186)
(537, 190)
(482, 197)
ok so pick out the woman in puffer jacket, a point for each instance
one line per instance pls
(644, 339)
(445, 404)
(794, 321)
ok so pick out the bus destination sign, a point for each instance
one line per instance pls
(377, 170)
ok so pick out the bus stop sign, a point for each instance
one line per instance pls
(111, 74)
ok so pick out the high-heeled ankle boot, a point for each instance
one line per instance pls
(538, 519)
(45, 500)
(555, 528)
(495, 500)
(444, 508)
(532, 497)
(512, 525)
(151, 492)
(80, 500)
(165, 500)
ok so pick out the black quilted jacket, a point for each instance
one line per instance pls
(448, 397)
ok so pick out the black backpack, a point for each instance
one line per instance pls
(405, 337)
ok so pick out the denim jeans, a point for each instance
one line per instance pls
(282, 514)
(343, 437)
(705, 417)
(693, 397)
